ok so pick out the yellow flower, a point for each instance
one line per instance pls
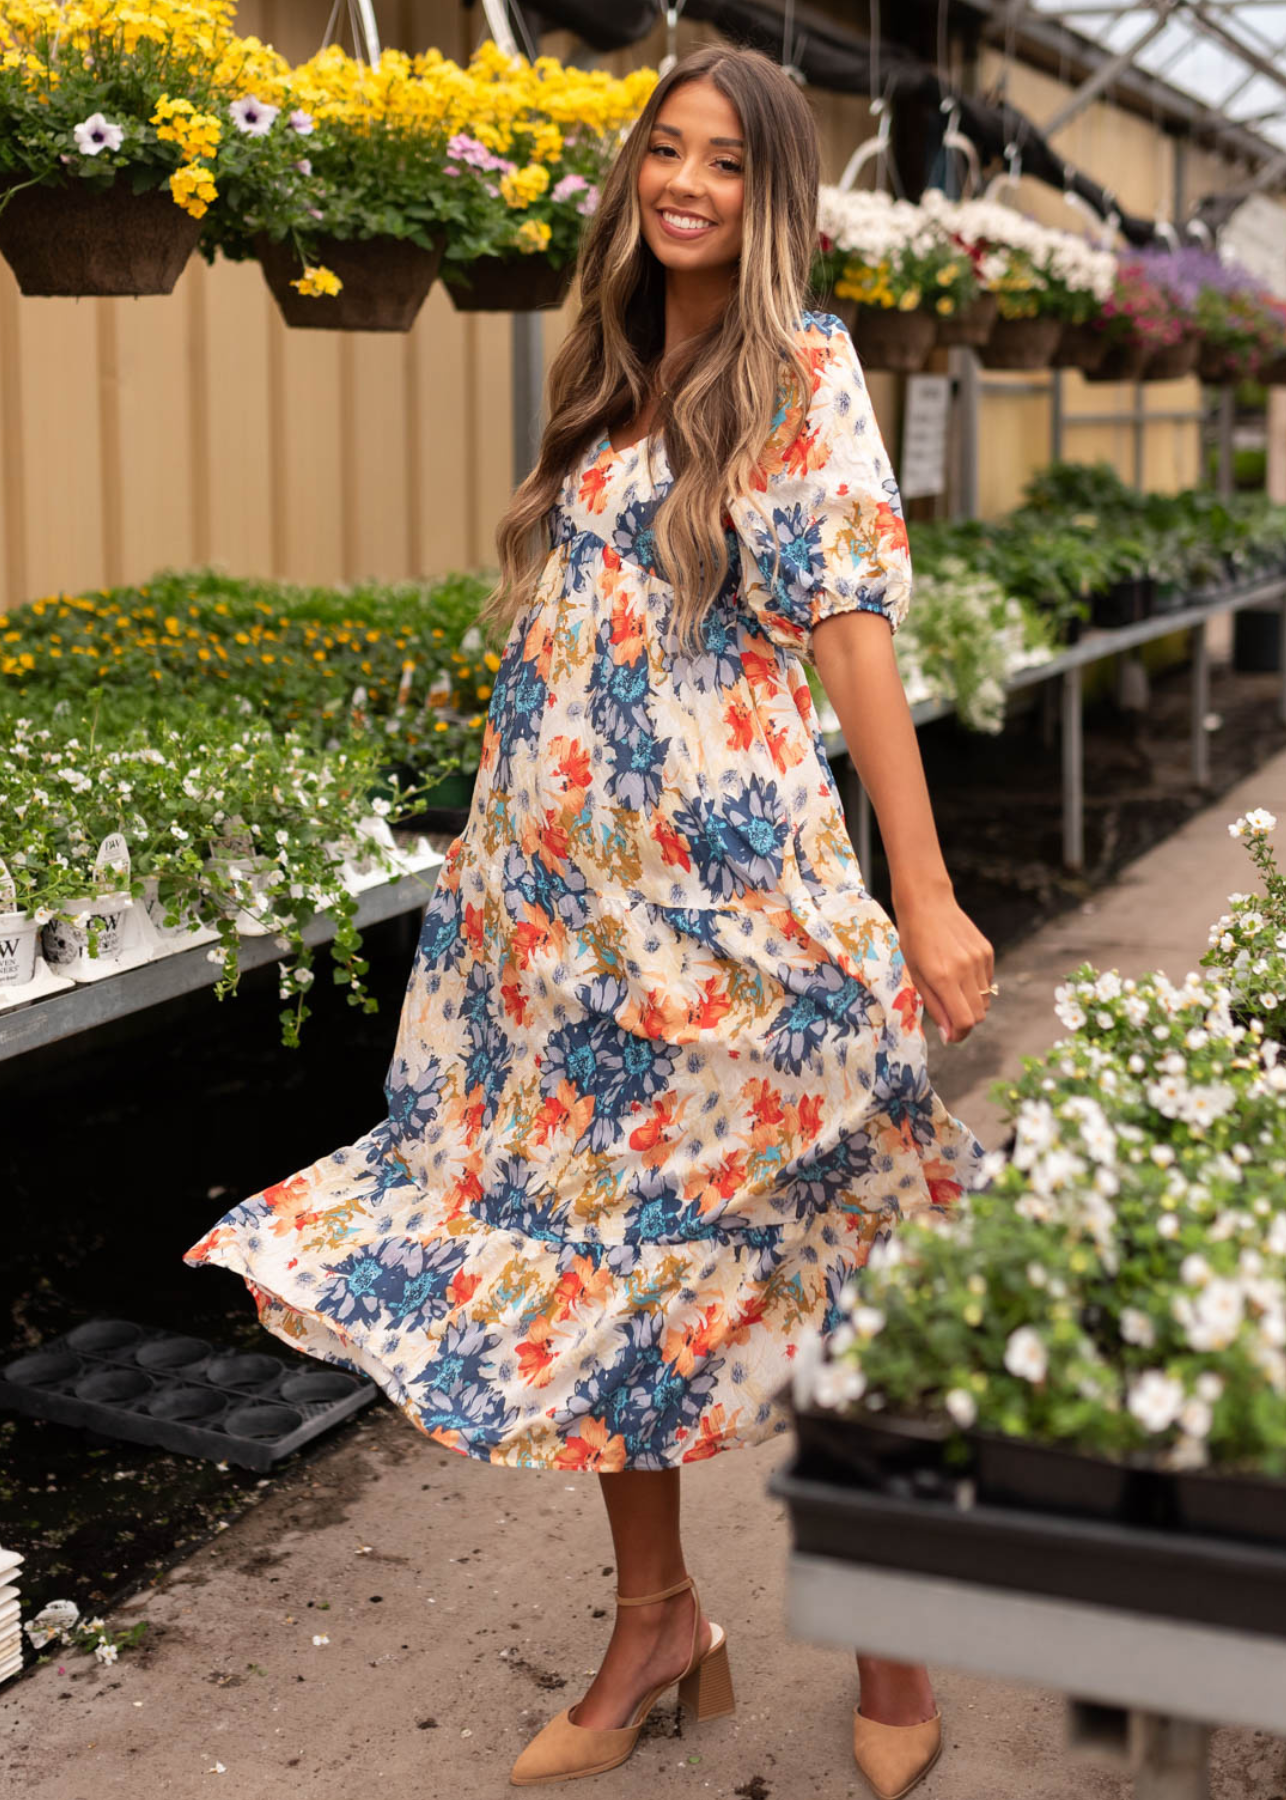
(532, 236)
(192, 188)
(316, 281)
(945, 304)
(524, 185)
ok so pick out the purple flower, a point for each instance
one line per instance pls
(300, 121)
(469, 150)
(589, 205)
(569, 185)
(304, 165)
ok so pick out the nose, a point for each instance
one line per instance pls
(687, 177)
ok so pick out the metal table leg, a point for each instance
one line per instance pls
(1200, 705)
(1171, 1758)
(1073, 773)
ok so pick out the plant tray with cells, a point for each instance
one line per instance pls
(181, 1393)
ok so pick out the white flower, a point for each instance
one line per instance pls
(1210, 1387)
(95, 133)
(320, 1638)
(300, 121)
(254, 117)
(1155, 1400)
(962, 1406)
(105, 1651)
(1259, 822)
(1162, 1155)
(868, 1321)
(1168, 1225)
(1025, 1355)
(1137, 1328)
(1194, 1271)
(1196, 1418)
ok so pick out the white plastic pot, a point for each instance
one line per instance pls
(19, 941)
(67, 943)
(156, 910)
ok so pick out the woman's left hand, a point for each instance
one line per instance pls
(950, 962)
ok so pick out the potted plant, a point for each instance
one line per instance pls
(115, 132)
(1108, 1313)
(1248, 944)
(349, 216)
(533, 157)
(1241, 332)
(1137, 322)
(899, 271)
(968, 637)
(1039, 277)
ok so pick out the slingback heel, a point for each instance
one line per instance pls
(706, 1690)
(564, 1750)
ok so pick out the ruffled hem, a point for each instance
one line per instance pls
(519, 1351)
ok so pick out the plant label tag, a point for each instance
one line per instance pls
(113, 859)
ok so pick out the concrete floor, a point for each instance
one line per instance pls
(485, 1595)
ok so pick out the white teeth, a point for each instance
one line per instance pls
(685, 221)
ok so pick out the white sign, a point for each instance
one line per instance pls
(924, 436)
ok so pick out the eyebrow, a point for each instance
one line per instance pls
(673, 131)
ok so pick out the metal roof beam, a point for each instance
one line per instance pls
(1106, 74)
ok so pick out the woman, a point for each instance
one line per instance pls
(659, 1080)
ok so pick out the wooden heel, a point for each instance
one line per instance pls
(706, 1690)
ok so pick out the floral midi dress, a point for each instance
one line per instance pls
(659, 1080)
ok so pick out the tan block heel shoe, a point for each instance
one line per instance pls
(564, 1750)
(895, 1758)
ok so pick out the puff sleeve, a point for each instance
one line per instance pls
(824, 492)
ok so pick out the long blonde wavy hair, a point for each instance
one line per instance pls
(725, 384)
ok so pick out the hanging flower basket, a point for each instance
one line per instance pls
(893, 340)
(1215, 366)
(1173, 361)
(386, 281)
(79, 240)
(1081, 347)
(1123, 362)
(972, 325)
(1021, 344)
(511, 284)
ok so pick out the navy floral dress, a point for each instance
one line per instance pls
(659, 1079)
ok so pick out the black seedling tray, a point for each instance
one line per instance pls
(181, 1393)
(1166, 1574)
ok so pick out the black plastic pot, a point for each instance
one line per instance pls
(1252, 1507)
(876, 1450)
(1256, 642)
(1126, 602)
(1013, 1471)
(445, 807)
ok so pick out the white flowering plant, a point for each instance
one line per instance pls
(962, 640)
(1034, 270)
(1248, 944)
(224, 817)
(889, 254)
(1120, 1286)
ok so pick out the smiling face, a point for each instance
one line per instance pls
(691, 180)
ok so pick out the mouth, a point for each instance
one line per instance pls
(684, 224)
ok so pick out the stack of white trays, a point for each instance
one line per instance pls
(10, 1615)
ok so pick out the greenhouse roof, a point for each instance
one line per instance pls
(1227, 55)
